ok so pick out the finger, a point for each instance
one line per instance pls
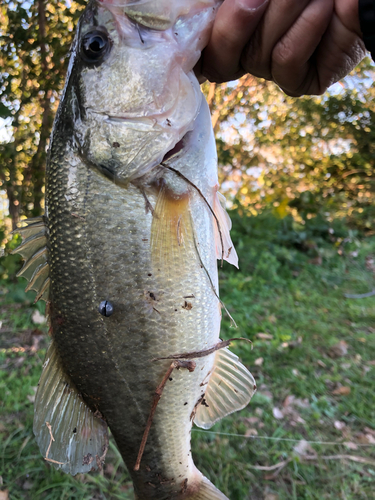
(293, 67)
(235, 22)
(347, 12)
(276, 22)
(339, 52)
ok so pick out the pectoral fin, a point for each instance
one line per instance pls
(230, 388)
(69, 435)
(228, 253)
(34, 251)
(172, 234)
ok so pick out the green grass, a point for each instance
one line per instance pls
(280, 293)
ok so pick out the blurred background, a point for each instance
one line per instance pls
(298, 175)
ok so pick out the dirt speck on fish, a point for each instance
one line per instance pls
(126, 254)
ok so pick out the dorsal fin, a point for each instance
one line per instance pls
(229, 389)
(34, 251)
(69, 435)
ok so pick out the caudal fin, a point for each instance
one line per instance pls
(207, 491)
(204, 490)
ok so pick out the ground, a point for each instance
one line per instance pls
(309, 431)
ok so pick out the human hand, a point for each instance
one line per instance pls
(303, 45)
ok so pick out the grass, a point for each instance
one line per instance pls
(312, 356)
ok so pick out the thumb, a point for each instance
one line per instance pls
(234, 25)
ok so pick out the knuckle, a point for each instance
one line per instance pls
(283, 54)
(253, 59)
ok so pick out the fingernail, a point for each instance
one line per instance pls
(251, 4)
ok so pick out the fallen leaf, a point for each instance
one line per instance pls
(342, 391)
(265, 392)
(321, 364)
(372, 363)
(272, 318)
(252, 420)
(251, 432)
(27, 485)
(38, 318)
(345, 366)
(370, 439)
(258, 362)
(317, 261)
(277, 413)
(288, 400)
(304, 449)
(264, 336)
(339, 425)
(4, 495)
(302, 403)
(365, 439)
(19, 361)
(339, 350)
(351, 446)
(271, 496)
(258, 411)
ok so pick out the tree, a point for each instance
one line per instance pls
(300, 156)
(34, 39)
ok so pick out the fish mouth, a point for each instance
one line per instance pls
(177, 148)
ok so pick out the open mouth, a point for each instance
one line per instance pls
(176, 149)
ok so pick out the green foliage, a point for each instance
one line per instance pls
(34, 38)
(299, 156)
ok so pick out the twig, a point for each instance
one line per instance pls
(359, 296)
(353, 458)
(202, 354)
(189, 365)
(177, 172)
(49, 446)
(270, 468)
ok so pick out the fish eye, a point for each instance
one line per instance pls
(95, 45)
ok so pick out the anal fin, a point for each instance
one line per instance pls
(229, 389)
(69, 435)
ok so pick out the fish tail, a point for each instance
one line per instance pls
(205, 491)
(202, 489)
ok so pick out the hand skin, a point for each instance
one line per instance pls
(303, 45)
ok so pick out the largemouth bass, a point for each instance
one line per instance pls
(126, 254)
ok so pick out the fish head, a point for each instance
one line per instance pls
(131, 85)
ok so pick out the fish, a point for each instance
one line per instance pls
(126, 255)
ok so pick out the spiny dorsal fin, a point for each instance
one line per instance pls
(69, 435)
(229, 254)
(229, 389)
(34, 251)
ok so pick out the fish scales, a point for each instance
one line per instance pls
(134, 224)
